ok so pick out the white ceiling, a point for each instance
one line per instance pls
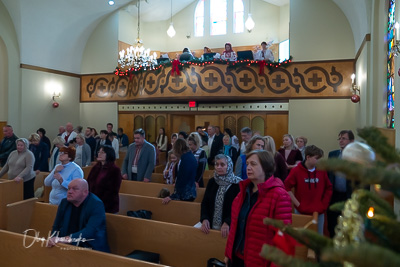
(62, 27)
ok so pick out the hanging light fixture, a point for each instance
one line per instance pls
(171, 31)
(249, 24)
(137, 56)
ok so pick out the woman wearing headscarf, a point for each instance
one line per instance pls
(220, 192)
(19, 167)
(228, 53)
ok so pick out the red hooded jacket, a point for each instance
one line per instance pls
(312, 189)
(273, 202)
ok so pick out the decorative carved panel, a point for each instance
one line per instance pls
(329, 79)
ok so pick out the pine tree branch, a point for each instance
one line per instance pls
(338, 206)
(307, 237)
(380, 144)
(364, 254)
(280, 258)
(386, 232)
(368, 199)
(388, 179)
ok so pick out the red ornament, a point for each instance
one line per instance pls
(55, 104)
(355, 98)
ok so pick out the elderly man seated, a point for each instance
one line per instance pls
(80, 219)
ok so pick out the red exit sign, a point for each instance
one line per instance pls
(192, 104)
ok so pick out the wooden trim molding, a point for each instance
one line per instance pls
(217, 82)
(367, 38)
(64, 73)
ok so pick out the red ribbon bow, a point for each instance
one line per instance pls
(261, 64)
(175, 67)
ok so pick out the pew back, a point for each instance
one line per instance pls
(126, 234)
(179, 212)
(10, 192)
(20, 250)
(151, 189)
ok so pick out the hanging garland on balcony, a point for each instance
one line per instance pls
(197, 62)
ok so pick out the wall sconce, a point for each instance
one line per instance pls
(56, 94)
(355, 98)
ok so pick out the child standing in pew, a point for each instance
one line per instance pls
(170, 169)
(313, 190)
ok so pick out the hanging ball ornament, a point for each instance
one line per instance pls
(355, 98)
(55, 104)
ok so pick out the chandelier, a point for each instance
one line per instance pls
(137, 56)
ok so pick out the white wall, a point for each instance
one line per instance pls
(100, 54)
(97, 115)
(318, 31)
(12, 83)
(36, 102)
(272, 23)
(3, 81)
(284, 16)
(321, 120)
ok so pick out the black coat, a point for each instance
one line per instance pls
(208, 203)
(215, 148)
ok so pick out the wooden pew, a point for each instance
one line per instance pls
(157, 177)
(151, 189)
(159, 169)
(207, 175)
(20, 250)
(86, 171)
(179, 212)
(178, 245)
(10, 192)
(39, 182)
(119, 162)
(169, 240)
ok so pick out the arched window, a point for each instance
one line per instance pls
(218, 17)
(238, 14)
(218, 10)
(199, 19)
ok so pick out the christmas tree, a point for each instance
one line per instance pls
(367, 233)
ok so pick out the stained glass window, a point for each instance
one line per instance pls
(391, 31)
(199, 19)
(218, 17)
(238, 13)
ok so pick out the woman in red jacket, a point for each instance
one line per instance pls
(261, 195)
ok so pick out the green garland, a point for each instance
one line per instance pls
(198, 62)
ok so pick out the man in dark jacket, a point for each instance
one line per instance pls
(341, 187)
(81, 219)
(8, 144)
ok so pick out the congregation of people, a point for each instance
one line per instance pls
(262, 53)
(251, 180)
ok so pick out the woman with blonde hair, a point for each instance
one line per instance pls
(41, 152)
(58, 143)
(83, 152)
(301, 143)
(194, 142)
(280, 163)
(256, 143)
(289, 151)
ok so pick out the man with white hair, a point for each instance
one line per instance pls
(69, 133)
